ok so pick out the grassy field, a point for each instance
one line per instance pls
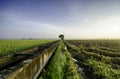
(100, 59)
(12, 46)
(61, 66)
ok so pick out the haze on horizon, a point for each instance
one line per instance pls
(46, 19)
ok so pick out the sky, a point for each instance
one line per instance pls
(46, 19)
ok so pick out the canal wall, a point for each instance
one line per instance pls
(32, 67)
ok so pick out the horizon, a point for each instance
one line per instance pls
(59, 39)
(46, 19)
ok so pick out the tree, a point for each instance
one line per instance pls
(61, 36)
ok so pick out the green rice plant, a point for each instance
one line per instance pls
(13, 46)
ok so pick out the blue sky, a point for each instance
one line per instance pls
(46, 19)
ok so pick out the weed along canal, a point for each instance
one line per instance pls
(61, 65)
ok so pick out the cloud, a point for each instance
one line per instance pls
(13, 26)
(82, 12)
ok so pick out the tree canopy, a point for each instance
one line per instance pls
(61, 36)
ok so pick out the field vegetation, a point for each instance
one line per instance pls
(13, 46)
(100, 59)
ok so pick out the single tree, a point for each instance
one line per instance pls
(61, 36)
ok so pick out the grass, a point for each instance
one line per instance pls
(12, 46)
(61, 66)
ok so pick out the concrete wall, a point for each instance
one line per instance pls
(32, 68)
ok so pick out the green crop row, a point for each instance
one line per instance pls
(97, 63)
(100, 70)
(107, 45)
(13, 46)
